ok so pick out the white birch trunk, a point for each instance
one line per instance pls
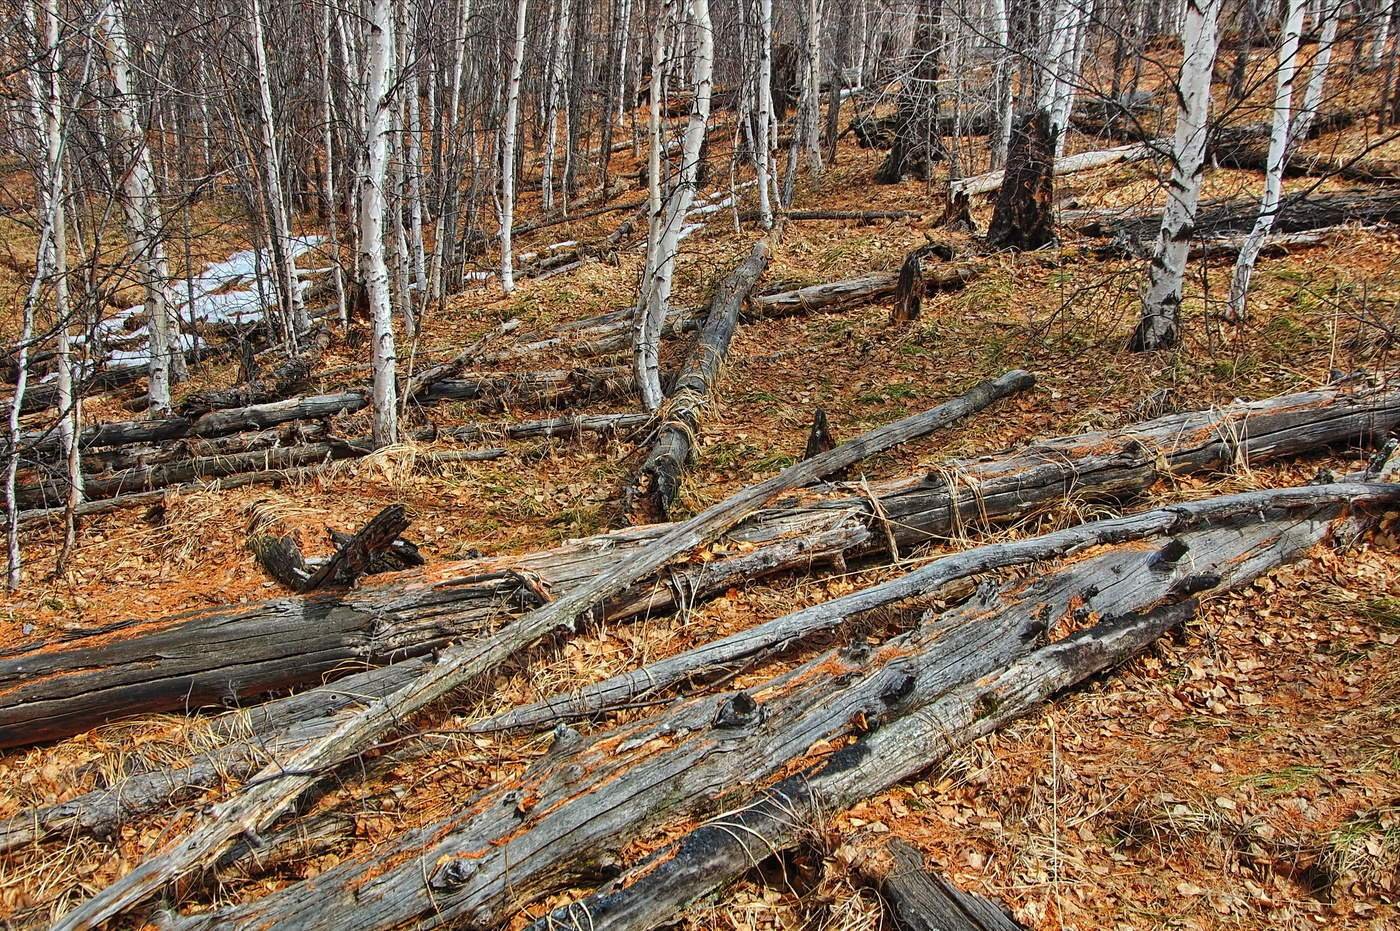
(1001, 36)
(328, 144)
(666, 223)
(554, 98)
(517, 63)
(293, 307)
(1161, 309)
(414, 154)
(763, 145)
(1279, 138)
(1331, 14)
(373, 171)
(454, 101)
(139, 204)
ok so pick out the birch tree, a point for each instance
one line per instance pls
(374, 160)
(667, 220)
(508, 131)
(555, 98)
(1285, 74)
(1160, 324)
(763, 114)
(140, 206)
(283, 254)
(1330, 16)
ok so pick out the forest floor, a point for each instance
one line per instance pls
(1243, 775)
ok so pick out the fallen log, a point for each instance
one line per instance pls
(265, 473)
(711, 857)
(788, 537)
(1255, 157)
(536, 389)
(1065, 165)
(355, 555)
(267, 795)
(923, 900)
(657, 483)
(1297, 213)
(254, 735)
(423, 380)
(854, 292)
(79, 674)
(561, 820)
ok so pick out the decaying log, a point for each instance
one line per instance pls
(214, 656)
(355, 555)
(911, 287)
(541, 389)
(424, 379)
(855, 292)
(288, 378)
(557, 427)
(267, 795)
(562, 820)
(923, 900)
(710, 858)
(1298, 213)
(1065, 165)
(859, 216)
(658, 482)
(497, 589)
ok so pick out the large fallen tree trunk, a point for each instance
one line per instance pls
(78, 683)
(1099, 465)
(1298, 213)
(658, 481)
(575, 809)
(285, 780)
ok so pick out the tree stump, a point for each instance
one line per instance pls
(1024, 217)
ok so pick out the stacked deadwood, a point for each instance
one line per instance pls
(956, 674)
(812, 528)
(657, 483)
(274, 789)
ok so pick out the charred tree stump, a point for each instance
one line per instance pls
(650, 495)
(819, 438)
(922, 900)
(1024, 214)
(910, 290)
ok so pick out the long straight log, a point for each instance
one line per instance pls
(1297, 213)
(280, 784)
(1065, 165)
(255, 735)
(657, 483)
(574, 810)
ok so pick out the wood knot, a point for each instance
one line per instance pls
(453, 875)
(1168, 556)
(738, 710)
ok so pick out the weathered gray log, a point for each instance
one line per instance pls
(108, 459)
(542, 389)
(658, 482)
(924, 900)
(424, 379)
(564, 819)
(1298, 213)
(710, 858)
(556, 427)
(859, 216)
(854, 292)
(281, 783)
(255, 734)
